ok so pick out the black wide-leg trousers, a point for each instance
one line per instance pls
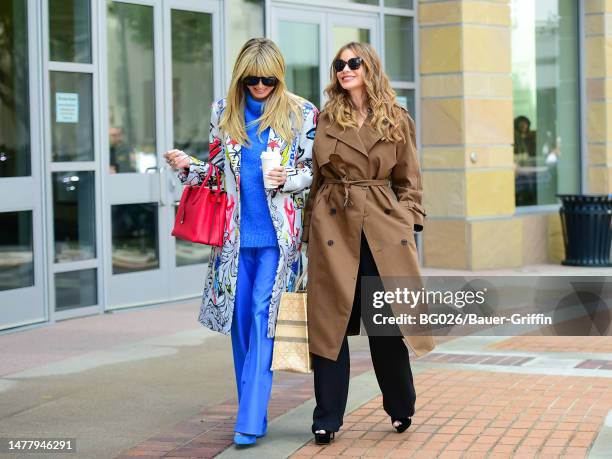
(389, 358)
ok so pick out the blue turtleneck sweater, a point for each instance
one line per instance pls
(256, 229)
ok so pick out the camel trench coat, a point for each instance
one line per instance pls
(336, 214)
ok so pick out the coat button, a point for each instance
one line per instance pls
(330, 242)
(387, 211)
(404, 242)
(332, 211)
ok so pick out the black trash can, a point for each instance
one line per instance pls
(587, 229)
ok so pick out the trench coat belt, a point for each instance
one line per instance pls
(348, 183)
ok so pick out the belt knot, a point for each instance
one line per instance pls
(346, 183)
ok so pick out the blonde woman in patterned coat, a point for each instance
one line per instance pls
(247, 276)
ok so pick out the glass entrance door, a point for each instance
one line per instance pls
(22, 252)
(310, 39)
(192, 81)
(161, 80)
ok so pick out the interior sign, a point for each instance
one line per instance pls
(66, 107)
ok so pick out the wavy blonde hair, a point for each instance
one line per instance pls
(282, 112)
(388, 117)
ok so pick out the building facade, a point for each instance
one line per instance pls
(511, 100)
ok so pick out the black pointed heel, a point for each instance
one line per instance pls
(324, 439)
(405, 423)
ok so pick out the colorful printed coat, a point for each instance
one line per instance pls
(285, 207)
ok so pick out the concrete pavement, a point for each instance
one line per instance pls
(111, 381)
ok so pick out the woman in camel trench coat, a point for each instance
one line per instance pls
(353, 215)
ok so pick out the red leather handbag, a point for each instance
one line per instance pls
(201, 213)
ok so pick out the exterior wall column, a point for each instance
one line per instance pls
(598, 68)
(467, 135)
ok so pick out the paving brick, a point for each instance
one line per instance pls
(513, 415)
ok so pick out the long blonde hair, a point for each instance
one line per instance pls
(282, 112)
(388, 117)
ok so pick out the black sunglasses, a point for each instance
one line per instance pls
(267, 81)
(354, 63)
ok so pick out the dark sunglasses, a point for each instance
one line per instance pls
(267, 81)
(354, 63)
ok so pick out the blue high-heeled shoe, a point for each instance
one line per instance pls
(244, 439)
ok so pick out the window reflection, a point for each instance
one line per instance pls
(546, 105)
(362, 2)
(131, 88)
(16, 250)
(400, 3)
(192, 80)
(344, 35)
(70, 30)
(14, 103)
(246, 20)
(134, 235)
(399, 48)
(300, 46)
(72, 116)
(74, 216)
(75, 289)
(405, 97)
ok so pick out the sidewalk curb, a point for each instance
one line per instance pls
(603, 441)
(290, 431)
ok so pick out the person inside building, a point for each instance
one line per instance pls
(122, 157)
(524, 137)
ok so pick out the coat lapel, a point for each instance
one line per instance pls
(278, 145)
(349, 136)
(233, 148)
(369, 136)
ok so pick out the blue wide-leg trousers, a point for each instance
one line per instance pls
(251, 346)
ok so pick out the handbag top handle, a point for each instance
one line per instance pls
(212, 168)
(299, 282)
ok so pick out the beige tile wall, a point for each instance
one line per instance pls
(466, 135)
(598, 62)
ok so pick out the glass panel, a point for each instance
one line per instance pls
(362, 2)
(135, 237)
(344, 35)
(190, 253)
(71, 117)
(546, 99)
(246, 20)
(75, 289)
(70, 31)
(131, 88)
(300, 46)
(16, 250)
(192, 80)
(400, 3)
(405, 97)
(14, 94)
(399, 48)
(74, 216)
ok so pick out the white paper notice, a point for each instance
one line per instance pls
(66, 107)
